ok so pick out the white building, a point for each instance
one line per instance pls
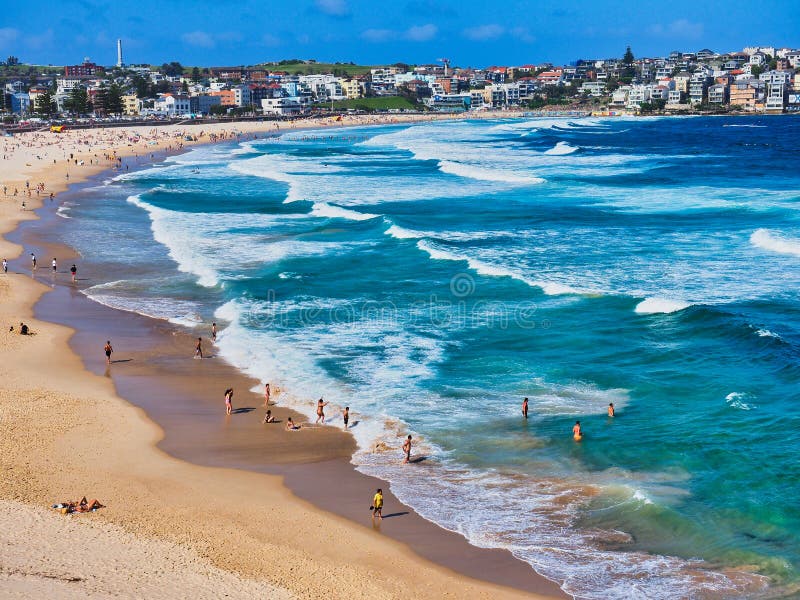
(241, 95)
(173, 105)
(289, 105)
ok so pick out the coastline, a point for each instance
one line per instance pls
(354, 558)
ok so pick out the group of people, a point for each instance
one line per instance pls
(577, 432)
(73, 270)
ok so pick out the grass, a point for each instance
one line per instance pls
(372, 104)
(301, 68)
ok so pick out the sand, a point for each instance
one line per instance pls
(169, 527)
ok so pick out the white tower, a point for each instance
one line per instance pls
(119, 53)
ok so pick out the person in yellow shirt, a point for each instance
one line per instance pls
(377, 504)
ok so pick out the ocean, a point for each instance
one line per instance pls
(431, 276)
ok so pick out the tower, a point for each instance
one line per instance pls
(119, 53)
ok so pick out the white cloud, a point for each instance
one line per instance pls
(378, 35)
(8, 35)
(682, 28)
(199, 38)
(335, 8)
(421, 33)
(523, 35)
(484, 32)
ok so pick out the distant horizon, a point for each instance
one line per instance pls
(470, 33)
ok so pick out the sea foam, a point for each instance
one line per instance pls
(766, 240)
(650, 306)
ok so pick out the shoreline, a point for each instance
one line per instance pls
(330, 457)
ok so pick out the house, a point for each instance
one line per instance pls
(675, 97)
(173, 105)
(351, 88)
(553, 77)
(718, 94)
(777, 96)
(698, 88)
(227, 97)
(619, 97)
(758, 59)
(682, 81)
(745, 94)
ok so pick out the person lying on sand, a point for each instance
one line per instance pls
(290, 426)
(80, 506)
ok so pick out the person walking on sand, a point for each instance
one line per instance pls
(228, 401)
(576, 431)
(610, 409)
(320, 410)
(198, 349)
(213, 332)
(267, 394)
(377, 504)
(74, 271)
(33, 261)
(5, 266)
(55, 266)
(407, 449)
(525, 408)
(346, 416)
(108, 350)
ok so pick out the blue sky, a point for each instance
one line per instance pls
(469, 32)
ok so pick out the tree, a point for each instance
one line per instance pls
(195, 74)
(78, 101)
(173, 69)
(185, 87)
(113, 100)
(217, 109)
(142, 86)
(628, 58)
(755, 70)
(45, 103)
(12, 61)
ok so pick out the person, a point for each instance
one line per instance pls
(23, 329)
(85, 506)
(74, 270)
(407, 449)
(213, 332)
(320, 410)
(377, 504)
(576, 431)
(268, 418)
(525, 408)
(33, 261)
(55, 265)
(5, 266)
(346, 415)
(266, 394)
(290, 426)
(228, 401)
(108, 350)
(198, 349)
(610, 409)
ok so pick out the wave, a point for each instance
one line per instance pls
(768, 333)
(765, 239)
(178, 312)
(490, 270)
(737, 400)
(650, 306)
(562, 148)
(402, 233)
(486, 174)
(743, 125)
(323, 209)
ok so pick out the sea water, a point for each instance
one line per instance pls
(431, 276)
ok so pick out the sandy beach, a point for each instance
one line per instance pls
(283, 523)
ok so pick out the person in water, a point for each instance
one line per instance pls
(525, 408)
(267, 394)
(346, 415)
(610, 409)
(407, 449)
(321, 410)
(576, 430)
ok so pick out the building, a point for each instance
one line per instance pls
(698, 88)
(87, 69)
(718, 94)
(173, 105)
(289, 105)
(20, 103)
(241, 95)
(351, 88)
(202, 103)
(777, 96)
(227, 97)
(745, 94)
(130, 105)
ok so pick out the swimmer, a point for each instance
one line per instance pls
(576, 431)
(407, 449)
(610, 409)
(525, 408)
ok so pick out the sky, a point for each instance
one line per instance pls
(474, 33)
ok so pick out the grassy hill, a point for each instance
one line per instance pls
(373, 104)
(303, 68)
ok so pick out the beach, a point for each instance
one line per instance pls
(69, 430)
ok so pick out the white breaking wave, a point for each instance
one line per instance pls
(483, 268)
(767, 333)
(765, 239)
(402, 233)
(484, 174)
(650, 306)
(323, 209)
(737, 400)
(562, 148)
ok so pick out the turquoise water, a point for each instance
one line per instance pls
(431, 276)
